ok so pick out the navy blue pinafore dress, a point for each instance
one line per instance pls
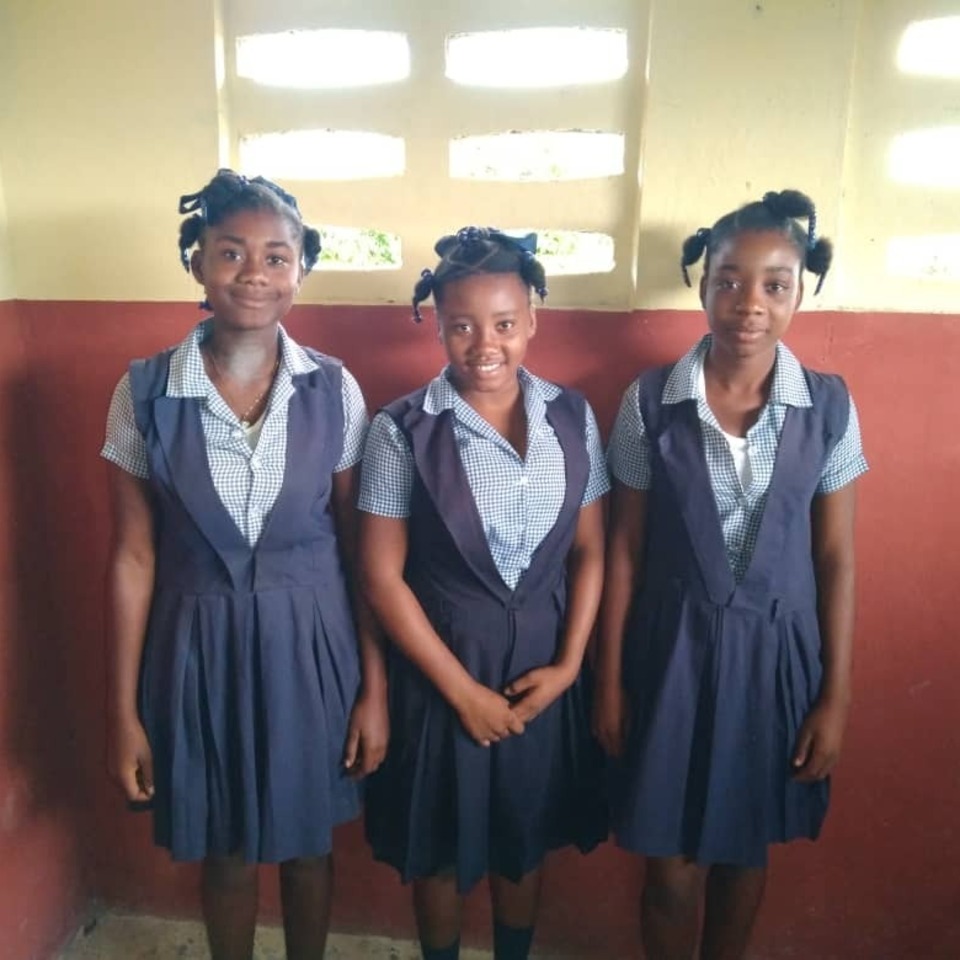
(720, 675)
(249, 668)
(440, 801)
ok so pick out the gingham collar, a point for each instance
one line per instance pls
(789, 387)
(188, 378)
(537, 393)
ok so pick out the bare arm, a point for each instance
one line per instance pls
(130, 589)
(624, 572)
(485, 714)
(540, 687)
(821, 736)
(369, 729)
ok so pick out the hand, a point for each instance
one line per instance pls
(819, 742)
(610, 717)
(535, 690)
(130, 760)
(487, 716)
(367, 734)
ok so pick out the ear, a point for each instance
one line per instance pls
(800, 289)
(533, 321)
(196, 265)
(703, 290)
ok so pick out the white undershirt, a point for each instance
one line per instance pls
(253, 431)
(739, 446)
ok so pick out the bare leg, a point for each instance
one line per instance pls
(229, 888)
(306, 887)
(733, 898)
(670, 908)
(515, 908)
(437, 906)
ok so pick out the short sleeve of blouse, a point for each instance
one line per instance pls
(386, 480)
(124, 444)
(354, 423)
(846, 461)
(629, 451)
(598, 482)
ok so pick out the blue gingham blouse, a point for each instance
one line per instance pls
(740, 509)
(247, 479)
(518, 500)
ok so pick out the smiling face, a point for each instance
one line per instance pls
(751, 289)
(485, 321)
(249, 265)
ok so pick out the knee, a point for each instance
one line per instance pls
(229, 873)
(306, 867)
(672, 888)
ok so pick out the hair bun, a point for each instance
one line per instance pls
(788, 203)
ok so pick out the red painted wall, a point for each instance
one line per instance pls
(45, 734)
(884, 881)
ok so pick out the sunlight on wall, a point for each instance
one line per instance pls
(537, 57)
(323, 155)
(538, 155)
(929, 158)
(931, 48)
(324, 58)
(932, 257)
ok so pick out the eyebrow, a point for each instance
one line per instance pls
(732, 267)
(240, 241)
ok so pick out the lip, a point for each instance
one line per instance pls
(248, 301)
(747, 335)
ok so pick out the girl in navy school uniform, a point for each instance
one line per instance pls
(727, 624)
(236, 701)
(482, 556)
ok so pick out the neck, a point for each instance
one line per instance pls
(243, 353)
(739, 373)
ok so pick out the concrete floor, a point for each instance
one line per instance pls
(115, 936)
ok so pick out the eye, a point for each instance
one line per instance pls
(505, 326)
(275, 260)
(777, 287)
(229, 254)
(725, 283)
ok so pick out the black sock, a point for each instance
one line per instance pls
(511, 943)
(443, 953)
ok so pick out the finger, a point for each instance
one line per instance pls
(129, 783)
(372, 758)
(802, 752)
(515, 724)
(146, 774)
(521, 685)
(351, 748)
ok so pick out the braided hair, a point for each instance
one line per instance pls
(229, 192)
(775, 212)
(475, 250)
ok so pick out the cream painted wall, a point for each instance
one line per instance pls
(744, 97)
(7, 290)
(114, 114)
(876, 209)
(117, 111)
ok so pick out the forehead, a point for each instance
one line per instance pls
(484, 291)
(257, 223)
(768, 249)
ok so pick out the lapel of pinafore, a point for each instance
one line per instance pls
(684, 461)
(441, 471)
(311, 446)
(180, 434)
(562, 416)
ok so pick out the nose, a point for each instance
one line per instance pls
(252, 271)
(751, 298)
(485, 336)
